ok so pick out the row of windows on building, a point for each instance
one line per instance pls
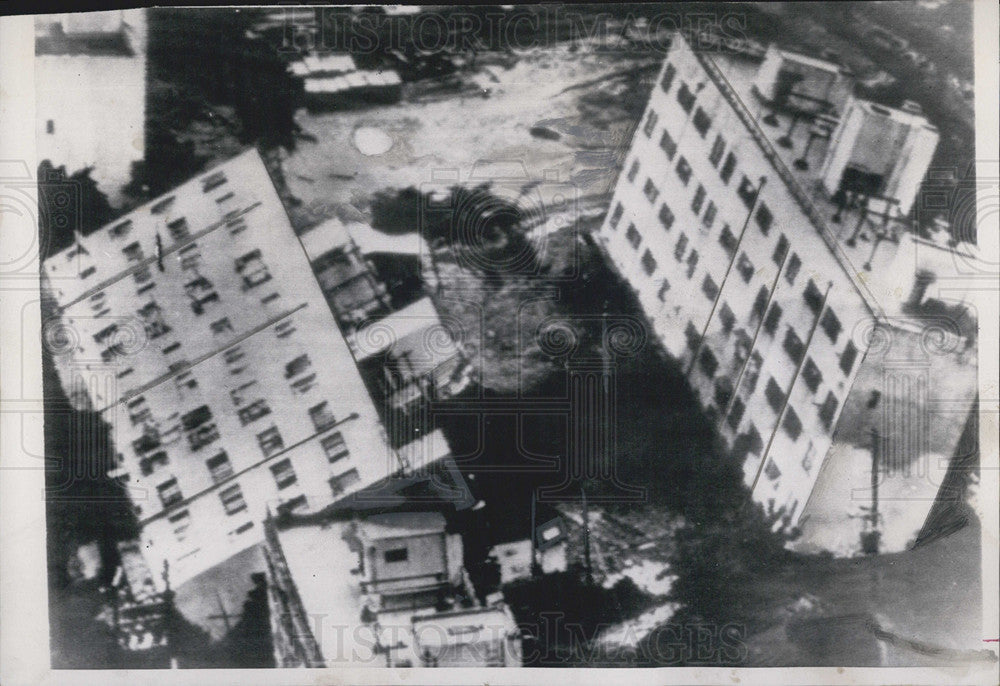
(748, 192)
(178, 229)
(231, 497)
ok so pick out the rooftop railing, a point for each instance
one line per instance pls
(800, 196)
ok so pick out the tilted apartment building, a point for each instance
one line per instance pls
(195, 326)
(739, 276)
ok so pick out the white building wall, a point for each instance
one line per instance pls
(686, 304)
(91, 109)
(100, 288)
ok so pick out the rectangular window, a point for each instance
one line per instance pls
(191, 261)
(284, 475)
(662, 293)
(152, 319)
(727, 168)
(219, 467)
(396, 555)
(138, 410)
(760, 302)
(813, 297)
(253, 270)
(270, 441)
(831, 325)
(243, 393)
(234, 360)
(633, 171)
(173, 347)
(142, 274)
(707, 362)
(668, 77)
(773, 317)
(709, 217)
(149, 464)
(680, 248)
(666, 217)
(764, 218)
(321, 416)
(774, 395)
(297, 366)
(736, 414)
(254, 411)
(715, 156)
(709, 288)
(794, 264)
(692, 263)
(792, 424)
(648, 263)
(747, 192)
(683, 170)
(202, 436)
(133, 252)
(179, 229)
(170, 493)
(236, 226)
(185, 380)
(771, 471)
(668, 145)
(780, 251)
(650, 124)
(650, 191)
(213, 181)
(685, 97)
(163, 205)
(180, 522)
(50, 126)
(195, 418)
(633, 236)
(698, 200)
(793, 345)
(340, 484)
(121, 230)
(201, 292)
(847, 358)
(727, 317)
(269, 298)
(616, 216)
(745, 267)
(304, 384)
(827, 410)
(702, 122)
(285, 329)
(728, 241)
(812, 375)
(334, 446)
(221, 326)
(232, 499)
(692, 335)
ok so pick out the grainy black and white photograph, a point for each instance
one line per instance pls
(579, 336)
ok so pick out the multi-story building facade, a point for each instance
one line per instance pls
(90, 76)
(739, 276)
(194, 325)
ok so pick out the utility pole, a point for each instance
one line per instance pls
(872, 534)
(586, 538)
(535, 570)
